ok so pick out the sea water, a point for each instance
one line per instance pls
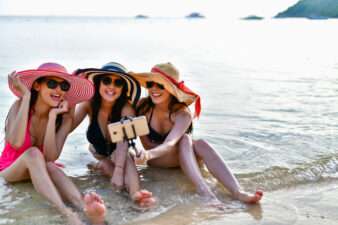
(269, 94)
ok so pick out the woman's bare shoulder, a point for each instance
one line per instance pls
(181, 112)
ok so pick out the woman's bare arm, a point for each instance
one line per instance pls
(18, 115)
(81, 111)
(182, 120)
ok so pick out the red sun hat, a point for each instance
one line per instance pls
(168, 75)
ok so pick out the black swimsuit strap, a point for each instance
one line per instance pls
(151, 115)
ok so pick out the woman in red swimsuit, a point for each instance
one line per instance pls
(169, 145)
(36, 128)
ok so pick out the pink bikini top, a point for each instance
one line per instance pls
(27, 143)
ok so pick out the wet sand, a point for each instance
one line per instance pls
(313, 203)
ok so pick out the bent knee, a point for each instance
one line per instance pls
(122, 145)
(51, 167)
(185, 144)
(185, 139)
(33, 154)
(200, 142)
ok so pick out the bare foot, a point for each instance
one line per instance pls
(137, 196)
(144, 197)
(250, 199)
(72, 217)
(95, 166)
(95, 207)
(214, 202)
(146, 194)
(146, 202)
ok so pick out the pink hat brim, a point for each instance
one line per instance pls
(80, 90)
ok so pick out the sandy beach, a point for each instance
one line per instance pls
(304, 204)
(269, 107)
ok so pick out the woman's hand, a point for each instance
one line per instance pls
(70, 112)
(81, 74)
(62, 108)
(14, 80)
(143, 157)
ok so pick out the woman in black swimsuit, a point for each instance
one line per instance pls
(169, 145)
(116, 94)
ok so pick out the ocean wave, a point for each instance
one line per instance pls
(276, 177)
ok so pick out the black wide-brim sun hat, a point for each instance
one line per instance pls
(113, 68)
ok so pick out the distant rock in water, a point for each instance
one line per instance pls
(253, 17)
(312, 9)
(194, 15)
(141, 17)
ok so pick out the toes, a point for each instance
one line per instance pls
(146, 194)
(87, 199)
(255, 198)
(137, 196)
(259, 192)
(95, 197)
(144, 202)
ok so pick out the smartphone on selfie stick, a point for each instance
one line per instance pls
(128, 129)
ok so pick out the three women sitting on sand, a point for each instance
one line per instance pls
(38, 123)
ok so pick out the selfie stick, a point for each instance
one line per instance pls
(131, 143)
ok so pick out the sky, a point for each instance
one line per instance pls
(151, 8)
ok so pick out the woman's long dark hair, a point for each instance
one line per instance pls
(146, 104)
(115, 114)
(32, 101)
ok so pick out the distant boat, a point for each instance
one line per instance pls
(253, 17)
(194, 15)
(141, 17)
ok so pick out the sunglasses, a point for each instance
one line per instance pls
(117, 82)
(151, 84)
(52, 84)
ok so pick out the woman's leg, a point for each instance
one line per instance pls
(64, 184)
(130, 178)
(94, 206)
(191, 170)
(132, 181)
(31, 165)
(218, 168)
(119, 159)
(107, 166)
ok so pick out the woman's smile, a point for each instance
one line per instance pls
(56, 97)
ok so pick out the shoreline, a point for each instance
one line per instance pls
(310, 204)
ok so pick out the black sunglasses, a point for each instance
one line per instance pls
(117, 82)
(151, 84)
(52, 84)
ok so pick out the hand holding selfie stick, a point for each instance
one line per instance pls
(127, 129)
(131, 143)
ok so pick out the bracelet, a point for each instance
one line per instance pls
(121, 167)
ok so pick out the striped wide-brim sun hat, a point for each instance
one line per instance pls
(113, 68)
(80, 90)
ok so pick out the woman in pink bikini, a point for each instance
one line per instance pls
(169, 144)
(36, 128)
